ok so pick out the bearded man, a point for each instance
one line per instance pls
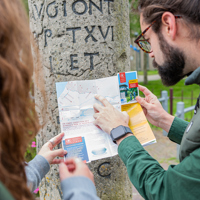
(171, 35)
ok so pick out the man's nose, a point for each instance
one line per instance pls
(151, 55)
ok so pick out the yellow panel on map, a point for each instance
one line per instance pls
(133, 81)
(138, 123)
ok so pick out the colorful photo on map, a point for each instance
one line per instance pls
(128, 87)
(75, 147)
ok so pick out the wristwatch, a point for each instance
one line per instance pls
(119, 132)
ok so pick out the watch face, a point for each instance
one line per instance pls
(118, 132)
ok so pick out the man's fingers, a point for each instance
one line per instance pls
(142, 102)
(97, 107)
(102, 100)
(95, 110)
(125, 114)
(96, 115)
(96, 124)
(144, 90)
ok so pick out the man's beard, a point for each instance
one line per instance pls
(171, 71)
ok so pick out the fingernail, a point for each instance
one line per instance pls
(77, 160)
(65, 152)
(138, 97)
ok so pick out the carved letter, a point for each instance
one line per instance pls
(99, 8)
(45, 35)
(109, 5)
(39, 13)
(50, 59)
(112, 33)
(91, 58)
(104, 36)
(73, 30)
(73, 61)
(74, 7)
(90, 34)
(65, 10)
(56, 8)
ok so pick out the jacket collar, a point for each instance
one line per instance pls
(194, 77)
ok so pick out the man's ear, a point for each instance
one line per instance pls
(169, 24)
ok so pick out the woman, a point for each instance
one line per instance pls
(18, 119)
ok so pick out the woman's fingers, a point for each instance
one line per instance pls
(55, 140)
(57, 161)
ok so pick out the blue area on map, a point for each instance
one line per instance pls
(76, 150)
(99, 151)
(60, 86)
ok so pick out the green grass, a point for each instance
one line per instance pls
(150, 72)
(156, 87)
(169, 161)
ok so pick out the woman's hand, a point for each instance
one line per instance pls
(47, 150)
(74, 167)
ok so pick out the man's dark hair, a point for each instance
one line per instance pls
(188, 9)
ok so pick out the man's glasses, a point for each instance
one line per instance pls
(144, 43)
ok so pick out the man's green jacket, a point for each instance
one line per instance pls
(180, 182)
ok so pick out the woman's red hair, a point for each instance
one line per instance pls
(18, 118)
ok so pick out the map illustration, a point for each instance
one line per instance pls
(75, 104)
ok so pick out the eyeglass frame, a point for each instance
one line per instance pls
(137, 39)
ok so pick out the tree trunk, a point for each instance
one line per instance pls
(78, 40)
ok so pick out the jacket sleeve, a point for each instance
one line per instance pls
(35, 171)
(79, 187)
(152, 181)
(4, 193)
(177, 130)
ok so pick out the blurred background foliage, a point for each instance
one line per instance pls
(26, 4)
(134, 18)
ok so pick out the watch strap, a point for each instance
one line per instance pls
(128, 130)
(125, 131)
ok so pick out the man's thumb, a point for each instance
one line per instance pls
(64, 172)
(142, 102)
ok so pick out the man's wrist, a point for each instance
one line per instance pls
(119, 132)
(166, 122)
(121, 139)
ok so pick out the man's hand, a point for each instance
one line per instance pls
(107, 117)
(153, 110)
(74, 167)
(47, 150)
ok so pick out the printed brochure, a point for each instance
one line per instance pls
(128, 87)
(82, 138)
